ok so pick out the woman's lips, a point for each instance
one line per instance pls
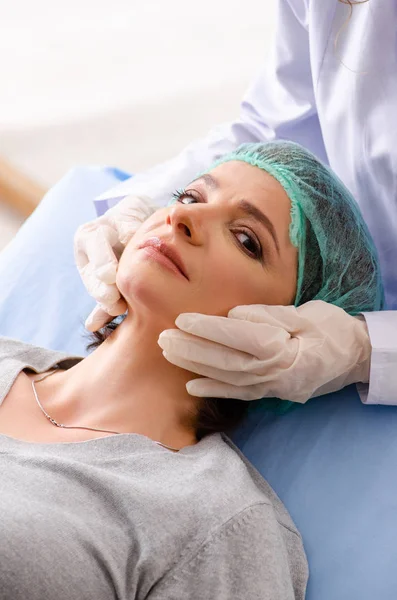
(165, 255)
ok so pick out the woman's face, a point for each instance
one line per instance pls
(230, 232)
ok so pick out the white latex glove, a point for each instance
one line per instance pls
(98, 246)
(270, 351)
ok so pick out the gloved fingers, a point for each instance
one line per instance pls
(263, 342)
(285, 317)
(203, 353)
(79, 244)
(99, 316)
(127, 230)
(116, 309)
(316, 310)
(211, 388)
(199, 324)
(84, 234)
(100, 253)
(97, 319)
(129, 214)
(306, 318)
(105, 294)
(237, 378)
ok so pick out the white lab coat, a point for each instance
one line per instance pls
(333, 89)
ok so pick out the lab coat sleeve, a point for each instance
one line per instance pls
(279, 104)
(382, 388)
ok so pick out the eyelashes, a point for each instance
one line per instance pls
(178, 194)
(181, 195)
(251, 246)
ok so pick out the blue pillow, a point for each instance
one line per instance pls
(332, 461)
(42, 298)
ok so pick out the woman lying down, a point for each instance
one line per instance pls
(116, 483)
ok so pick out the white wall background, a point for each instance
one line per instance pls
(127, 82)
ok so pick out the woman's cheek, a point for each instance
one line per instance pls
(244, 284)
(227, 287)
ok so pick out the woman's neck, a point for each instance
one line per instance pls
(126, 385)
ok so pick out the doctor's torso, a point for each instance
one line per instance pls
(354, 70)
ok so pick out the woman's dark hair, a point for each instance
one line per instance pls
(213, 414)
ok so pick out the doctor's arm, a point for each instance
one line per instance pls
(382, 387)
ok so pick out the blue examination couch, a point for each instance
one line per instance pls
(333, 461)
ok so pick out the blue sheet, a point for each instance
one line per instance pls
(332, 461)
(333, 464)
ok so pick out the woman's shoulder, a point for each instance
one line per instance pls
(247, 483)
(16, 355)
(241, 523)
(12, 349)
(8, 344)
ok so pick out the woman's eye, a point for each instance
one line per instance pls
(187, 199)
(184, 197)
(250, 244)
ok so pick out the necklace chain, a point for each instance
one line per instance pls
(54, 422)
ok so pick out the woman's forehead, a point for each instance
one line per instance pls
(241, 180)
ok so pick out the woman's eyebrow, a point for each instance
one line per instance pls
(252, 211)
(209, 180)
(247, 208)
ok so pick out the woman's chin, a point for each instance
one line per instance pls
(155, 302)
(148, 278)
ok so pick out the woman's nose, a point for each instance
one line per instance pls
(187, 221)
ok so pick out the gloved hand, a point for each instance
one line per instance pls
(98, 246)
(270, 351)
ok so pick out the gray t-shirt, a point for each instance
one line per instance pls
(122, 517)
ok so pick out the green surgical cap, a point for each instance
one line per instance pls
(337, 259)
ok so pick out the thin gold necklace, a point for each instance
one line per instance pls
(54, 422)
